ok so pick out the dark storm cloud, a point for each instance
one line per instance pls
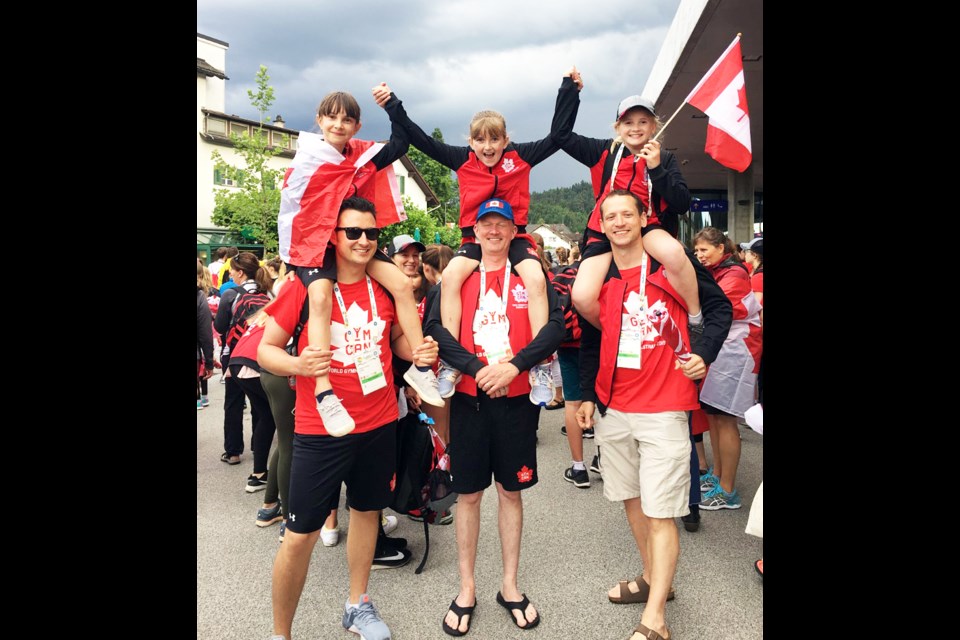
(446, 61)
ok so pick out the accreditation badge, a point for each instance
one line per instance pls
(370, 370)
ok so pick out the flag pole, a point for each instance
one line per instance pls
(739, 34)
(668, 121)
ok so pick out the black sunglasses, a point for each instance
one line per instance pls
(353, 233)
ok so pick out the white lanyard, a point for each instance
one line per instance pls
(483, 286)
(343, 308)
(643, 277)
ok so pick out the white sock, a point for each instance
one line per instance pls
(578, 466)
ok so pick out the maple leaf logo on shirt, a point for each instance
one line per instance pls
(358, 334)
(647, 331)
(519, 294)
(525, 474)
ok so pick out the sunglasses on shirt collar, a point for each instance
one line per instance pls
(353, 233)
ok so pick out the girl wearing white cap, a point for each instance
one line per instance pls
(632, 161)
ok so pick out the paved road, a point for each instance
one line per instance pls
(576, 545)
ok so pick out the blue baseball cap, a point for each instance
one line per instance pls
(497, 206)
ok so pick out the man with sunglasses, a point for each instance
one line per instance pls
(363, 333)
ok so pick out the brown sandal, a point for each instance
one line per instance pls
(641, 595)
(649, 634)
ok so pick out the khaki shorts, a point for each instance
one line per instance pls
(646, 456)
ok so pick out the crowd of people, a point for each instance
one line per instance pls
(336, 337)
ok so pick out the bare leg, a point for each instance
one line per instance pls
(725, 439)
(289, 575)
(318, 327)
(681, 275)
(574, 432)
(510, 513)
(639, 526)
(391, 277)
(361, 545)
(467, 527)
(441, 419)
(331, 521)
(702, 455)
(586, 288)
(536, 284)
(663, 550)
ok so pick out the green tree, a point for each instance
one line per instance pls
(440, 179)
(251, 210)
(419, 219)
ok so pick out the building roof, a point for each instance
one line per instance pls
(204, 68)
(560, 230)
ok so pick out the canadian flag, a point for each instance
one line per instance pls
(722, 95)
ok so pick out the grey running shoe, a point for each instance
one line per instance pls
(425, 383)
(335, 418)
(365, 621)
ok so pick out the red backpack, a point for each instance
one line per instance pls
(245, 306)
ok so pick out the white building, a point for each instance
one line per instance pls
(555, 236)
(214, 127)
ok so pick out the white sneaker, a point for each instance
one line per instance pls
(447, 379)
(541, 385)
(330, 537)
(336, 420)
(425, 383)
(389, 523)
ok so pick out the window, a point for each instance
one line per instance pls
(278, 140)
(403, 183)
(216, 126)
(221, 180)
(239, 129)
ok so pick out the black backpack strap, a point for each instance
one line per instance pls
(426, 544)
(304, 316)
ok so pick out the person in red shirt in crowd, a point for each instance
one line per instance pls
(640, 375)
(730, 386)
(364, 334)
(493, 427)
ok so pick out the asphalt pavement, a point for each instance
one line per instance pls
(576, 545)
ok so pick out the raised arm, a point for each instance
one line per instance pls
(587, 151)
(447, 155)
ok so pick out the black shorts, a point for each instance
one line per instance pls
(500, 438)
(520, 249)
(365, 461)
(713, 411)
(329, 269)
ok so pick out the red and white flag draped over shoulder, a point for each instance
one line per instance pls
(318, 180)
(722, 95)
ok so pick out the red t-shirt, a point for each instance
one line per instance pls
(519, 334)
(370, 411)
(659, 385)
(756, 282)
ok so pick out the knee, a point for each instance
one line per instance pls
(470, 499)
(508, 496)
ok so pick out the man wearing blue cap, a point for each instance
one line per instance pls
(493, 426)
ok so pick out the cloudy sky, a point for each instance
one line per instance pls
(445, 60)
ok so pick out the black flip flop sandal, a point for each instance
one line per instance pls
(460, 611)
(521, 607)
